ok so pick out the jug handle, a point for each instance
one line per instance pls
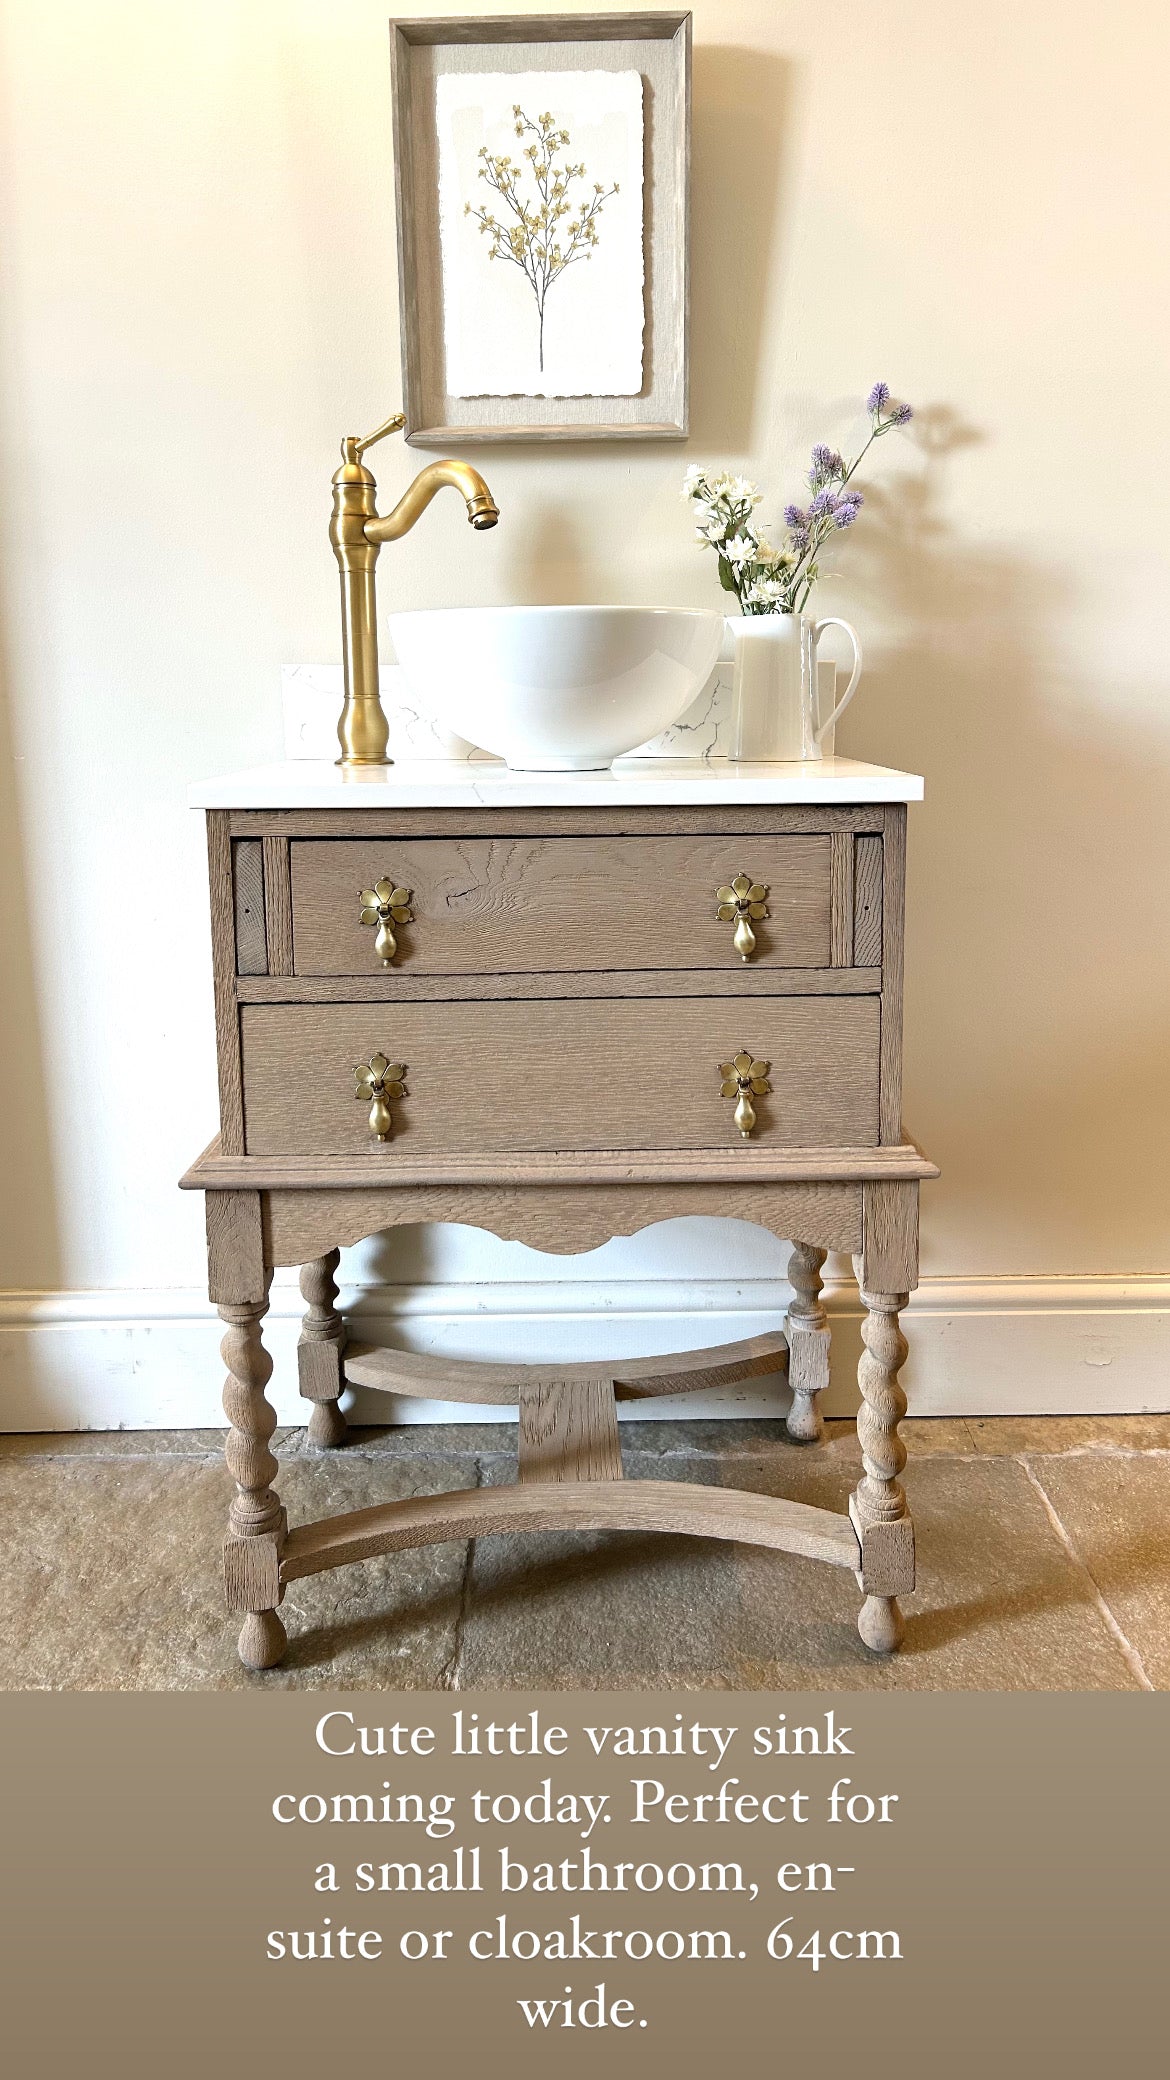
(835, 621)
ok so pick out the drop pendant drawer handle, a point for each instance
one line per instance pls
(743, 1079)
(386, 905)
(742, 902)
(375, 1083)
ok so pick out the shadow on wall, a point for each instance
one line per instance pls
(741, 125)
(1036, 1062)
(550, 563)
(30, 1256)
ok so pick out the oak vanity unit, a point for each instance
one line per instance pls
(559, 1007)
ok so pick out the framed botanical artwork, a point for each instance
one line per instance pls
(542, 170)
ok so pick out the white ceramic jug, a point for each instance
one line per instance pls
(777, 710)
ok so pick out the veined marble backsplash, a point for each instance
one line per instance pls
(312, 696)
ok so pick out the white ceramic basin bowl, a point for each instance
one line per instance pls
(554, 689)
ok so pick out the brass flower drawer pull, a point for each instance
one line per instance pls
(743, 1079)
(742, 902)
(385, 905)
(375, 1083)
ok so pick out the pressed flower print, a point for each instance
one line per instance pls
(540, 193)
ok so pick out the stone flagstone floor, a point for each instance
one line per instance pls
(1044, 1565)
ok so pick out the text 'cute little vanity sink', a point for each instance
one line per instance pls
(554, 689)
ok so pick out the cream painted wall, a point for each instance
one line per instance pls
(199, 298)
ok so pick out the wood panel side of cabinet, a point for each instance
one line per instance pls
(223, 970)
(248, 880)
(893, 957)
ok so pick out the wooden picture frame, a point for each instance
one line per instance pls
(658, 45)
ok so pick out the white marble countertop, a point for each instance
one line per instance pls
(489, 784)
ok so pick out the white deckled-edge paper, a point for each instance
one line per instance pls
(595, 309)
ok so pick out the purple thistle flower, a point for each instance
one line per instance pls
(847, 512)
(824, 502)
(878, 397)
(794, 518)
(901, 415)
(826, 465)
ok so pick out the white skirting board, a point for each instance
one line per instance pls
(1017, 1346)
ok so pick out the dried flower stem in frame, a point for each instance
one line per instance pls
(534, 242)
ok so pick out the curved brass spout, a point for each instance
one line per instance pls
(357, 534)
(481, 506)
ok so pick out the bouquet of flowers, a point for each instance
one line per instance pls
(764, 579)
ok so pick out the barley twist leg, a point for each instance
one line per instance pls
(256, 1520)
(878, 1504)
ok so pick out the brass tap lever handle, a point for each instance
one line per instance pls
(742, 1079)
(743, 903)
(394, 424)
(375, 1083)
(385, 905)
(354, 447)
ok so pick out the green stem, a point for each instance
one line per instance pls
(819, 535)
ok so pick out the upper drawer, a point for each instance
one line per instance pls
(484, 906)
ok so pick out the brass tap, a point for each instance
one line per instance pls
(357, 533)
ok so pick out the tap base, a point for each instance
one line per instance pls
(363, 732)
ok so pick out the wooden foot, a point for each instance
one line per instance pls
(262, 1640)
(881, 1624)
(327, 1425)
(322, 1341)
(808, 1343)
(256, 1522)
(878, 1504)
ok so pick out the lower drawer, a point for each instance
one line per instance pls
(554, 1074)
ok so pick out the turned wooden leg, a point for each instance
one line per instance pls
(319, 1350)
(808, 1342)
(878, 1504)
(256, 1522)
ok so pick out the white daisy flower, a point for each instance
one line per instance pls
(740, 550)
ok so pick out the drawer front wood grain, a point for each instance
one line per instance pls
(486, 906)
(556, 1075)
